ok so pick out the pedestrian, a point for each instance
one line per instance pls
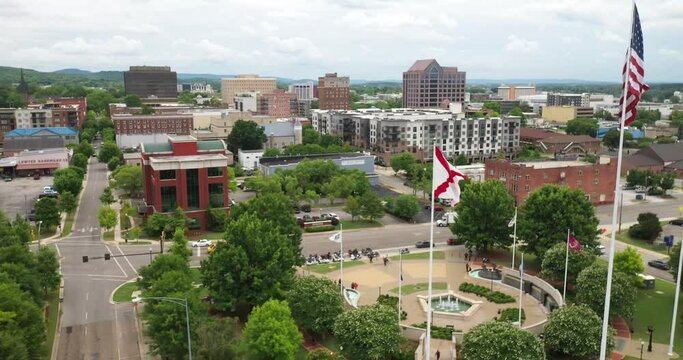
(466, 259)
(438, 354)
(340, 283)
(386, 260)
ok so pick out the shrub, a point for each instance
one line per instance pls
(313, 229)
(511, 315)
(438, 332)
(392, 301)
(493, 296)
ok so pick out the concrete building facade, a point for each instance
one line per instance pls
(39, 138)
(277, 103)
(151, 82)
(245, 83)
(429, 85)
(303, 91)
(249, 159)
(358, 161)
(522, 178)
(514, 92)
(562, 114)
(185, 173)
(333, 92)
(246, 101)
(282, 134)
(577, 100)
(131, 130)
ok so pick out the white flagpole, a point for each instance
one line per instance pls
(678, 290)
(400, 283)
(431, 259)
(566, 265)
(514, 240)
(521, 283)
(341, 255)
(615, 205)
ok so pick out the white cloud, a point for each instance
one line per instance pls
(519, 45)
(570, 39)
(141, 28)
(609, 36)
(116, 45)
(294, 46)
(671, 53)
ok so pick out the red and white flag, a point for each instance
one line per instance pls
(573, 243)
(445, 178)
(634, 83)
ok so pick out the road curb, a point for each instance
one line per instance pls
(111, 296)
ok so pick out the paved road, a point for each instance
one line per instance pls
(92, 327)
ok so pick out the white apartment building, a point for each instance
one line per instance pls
(303, 91)
(389, 132)
(33, 118)
(246, 101)
(514, 92)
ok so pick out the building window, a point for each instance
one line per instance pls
(595, 181)
(528, 178)
(168, 198)
(597, 172)
(215, 171)
(167, 174)
(527, 188)
(216, 195)
(194, 224)
(580, 172)
(192, 189)
(514, 187)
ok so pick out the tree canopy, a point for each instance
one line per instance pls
(648, 227)
(271, 333)
(69, 179)
(315, 303)
(547, 214)
(129, 179)
(484, 211)
(246, 135)
(369, 332)
(402, 161)
(554, 261)
(583, 127)
(47, 211)
(590, 290)
(575, 332)
(500, 340)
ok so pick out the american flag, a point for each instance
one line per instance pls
(635, 84)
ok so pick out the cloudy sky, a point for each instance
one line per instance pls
(365, 39)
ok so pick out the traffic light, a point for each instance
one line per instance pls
(85, 258)
(107, 256)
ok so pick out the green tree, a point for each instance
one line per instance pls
(186, 97)
(24, 318)
(629, 262)
(179, 246)
(484, 211)
(547, 214)
(69, 179)
(272, 152)
(162, 264)
(666, 181)
(255, 263)
(648, 227)
(492, 105)
(275, 207)
(353, 207)
(369, 332)
(574, 332)
(315, 303)
(80, 161)
(107, 197)
(246, 135)
(590, 291)
(461, 160)
(47, 269)
(402, 161)
(554, 261)
(132, 101)
(113, 163)
(147, 110)
(129, 179)
(309, 135)
(99, 100)
(323, 354)
(611, 138)
(217, 338)
(109, 150)
(47, 211)
(270, 332)
(371, 206)
(582, 127)
(406, 206)
(636, 177)
(67, 202)
(511, 343)
(84, 148)
(107, 217)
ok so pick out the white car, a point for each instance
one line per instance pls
(47, 189)
(442, 223)
(201, 243)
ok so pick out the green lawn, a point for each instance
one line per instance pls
(359, 224)
(68, 225)
(52, 320)
(438, 255)
(211, 235)
(196, 275)
(44, 232)
(413, 288)
(655, 307)
(625, 238)
(125, 292)
(326, 268)
(108, 235)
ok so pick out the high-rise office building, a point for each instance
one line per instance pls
(151, 82)
(514, 92)
(429, 85)
(245, 83)
(333, 92)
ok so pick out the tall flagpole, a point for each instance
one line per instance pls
(678, 289)
(400, 283)
(521, 283)
(617, 195)
(431, 259)
(341, 255)
(514, 240)
(566, 265)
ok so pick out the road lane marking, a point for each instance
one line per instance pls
(59, 253)
(125, 257)
(86, 315)
(97, 275)
(117, 262)
(86, 296)
(86, 330)
(78, 237)
(116, 331)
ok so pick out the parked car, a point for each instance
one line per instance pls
(600, 249)
(36, 176)
(8, 179)
(306, 208)
(32, 215)
(677, 222)
(201, 243)
(53, 195)
(442, 223)
(423, 244)
(662, 264)
(50, 192)
(326, 216)
(452, 241)
(48, 188)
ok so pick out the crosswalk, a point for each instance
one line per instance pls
(91, 229)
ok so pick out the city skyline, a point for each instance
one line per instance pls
(369, 40)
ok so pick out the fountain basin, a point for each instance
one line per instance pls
(450, 304)
(490, 275)
(351, 296)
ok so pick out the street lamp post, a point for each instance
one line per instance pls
(650, 329)
(642, 346)
(39, 223)
(179, 301)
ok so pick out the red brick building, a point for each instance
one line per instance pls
(522, 178)
(277, 103)
(186, 173)
(81, 103)
(333, 92)
(553, 143)
(127, 124)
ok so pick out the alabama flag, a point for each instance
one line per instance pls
(445, 178)
(573, 243)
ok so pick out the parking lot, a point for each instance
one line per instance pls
(17, 196)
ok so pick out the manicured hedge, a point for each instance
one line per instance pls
(388, 300)
(438, 332)
(313, 229)
(511, 315)
(493, 296)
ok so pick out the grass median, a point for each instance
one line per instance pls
(655, 307)
(125, 292)
(438, 255)
(52, 321)
(413, 288)
(624, 237)
(326, 268)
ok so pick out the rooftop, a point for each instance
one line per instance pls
(281, 160)
(553, 164)
(37, 131)
(563, 138)
(278, 129)
(189, 158)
